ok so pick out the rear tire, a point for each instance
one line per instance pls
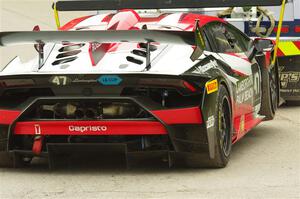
(270, 90)
(223, 135)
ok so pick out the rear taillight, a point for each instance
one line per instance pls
(297, 29)
(173, 83)
(189, 86)
(16, 83)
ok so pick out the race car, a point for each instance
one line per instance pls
(181, 86)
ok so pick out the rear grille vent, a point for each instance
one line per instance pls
(152, 47)
(71, 47)
(64, 61)
(134, 60)
(87, 109)
(141, 53)
(68, 54)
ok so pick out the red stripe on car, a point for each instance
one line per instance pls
(90, 128)
(8, 116)
(179, 116)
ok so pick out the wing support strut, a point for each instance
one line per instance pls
(199, 42)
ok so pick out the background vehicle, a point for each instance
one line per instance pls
(185, 86)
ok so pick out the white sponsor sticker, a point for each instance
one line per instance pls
(37, 129)
(83, 129)
(206, 67)
(210, 122)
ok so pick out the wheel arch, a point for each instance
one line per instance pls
(210, 108)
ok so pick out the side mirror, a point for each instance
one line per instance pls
(262, 44)
(259, 45)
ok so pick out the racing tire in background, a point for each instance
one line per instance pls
(270, 92)
(223, 135)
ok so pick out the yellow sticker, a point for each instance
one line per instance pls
(212, 86)
(242, 124)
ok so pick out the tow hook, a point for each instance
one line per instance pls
(37, 145)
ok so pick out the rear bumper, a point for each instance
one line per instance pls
(62, 155)
(184, 128)
(95, 128)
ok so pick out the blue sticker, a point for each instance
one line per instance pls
(109, 80)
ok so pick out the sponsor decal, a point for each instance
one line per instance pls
(244, 84)
(247, 88)
(289, 77)
(242, 124)
(60, 80)
(212, 86)
(37, 129)
(204, 68)
(77, 80)
(84, 129)
(109, 80)
(210, 122)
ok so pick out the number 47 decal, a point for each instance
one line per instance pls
(59, 80)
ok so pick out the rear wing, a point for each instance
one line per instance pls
(92, 5)
(107, 36)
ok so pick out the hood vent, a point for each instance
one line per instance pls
(134, 60)
(141, 53)
(71, 47)
(152, 47)
(68, 54)
(64, 61)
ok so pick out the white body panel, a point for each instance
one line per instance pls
(167, 59)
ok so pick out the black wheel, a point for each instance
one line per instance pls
(270, 90)
(274, 89)
(223, 135)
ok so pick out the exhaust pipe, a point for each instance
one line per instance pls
(91, 113)
(79, 113)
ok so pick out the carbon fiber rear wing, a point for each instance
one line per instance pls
(90, 5)
(107, 36)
